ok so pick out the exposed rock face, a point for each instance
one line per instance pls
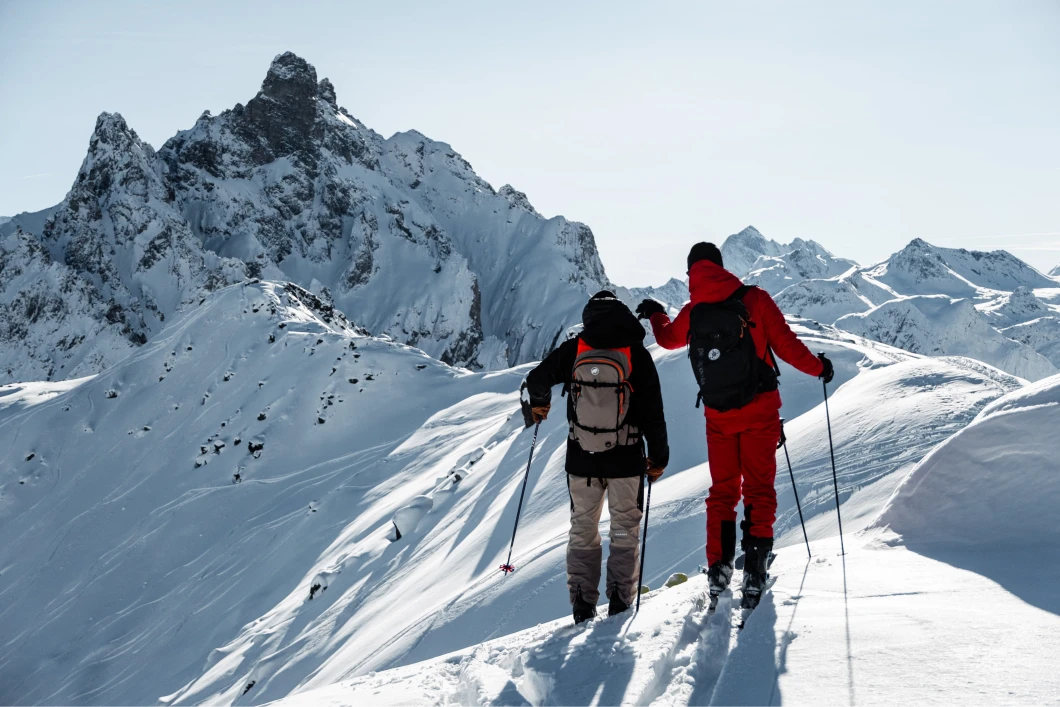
(401, 233)
(53, 321)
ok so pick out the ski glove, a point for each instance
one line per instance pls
(654, 472)
(540, 413)
(829, 371)
(649, 307)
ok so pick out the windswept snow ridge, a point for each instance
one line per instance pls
(994, 484)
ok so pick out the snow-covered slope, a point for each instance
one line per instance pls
(937, 325)
(400, 232)
(674, 294)
(53, 321)
(860, 628)
(1016, 307)
(993, 485)
(822, 300)
(880, 625)
(924, 269)
(217, 511)
(774, 273)
(741, 251)
(165, 503)
(1055, 272)
(1042, 335)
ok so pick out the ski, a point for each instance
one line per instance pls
(739, 564)
(745, 612)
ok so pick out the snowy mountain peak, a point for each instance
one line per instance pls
(400, 233)
(922, 268)
(742, 251)
(289, 77)
(517, 198)
(1055, 272)
(112, 131)
(326, 92)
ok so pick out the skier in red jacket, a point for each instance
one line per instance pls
(741, 442)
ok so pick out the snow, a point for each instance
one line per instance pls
(858, 629)
(773, 274)
(341, 116)
(190, 563)
(939, 325)
(993, 484)
(220, 490)
(399, 233)
(27, 395)
(674, 294)
(1018, 307)
(950, 595)
(1042, 335)
(749, 250)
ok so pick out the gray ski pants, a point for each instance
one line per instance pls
(584, 552)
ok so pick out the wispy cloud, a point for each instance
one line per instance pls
(35, 176)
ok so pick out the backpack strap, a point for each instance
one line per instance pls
(739, 293)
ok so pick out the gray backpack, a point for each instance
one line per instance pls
(600, 393)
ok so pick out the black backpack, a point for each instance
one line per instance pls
(727, 368)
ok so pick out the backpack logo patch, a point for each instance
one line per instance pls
(714, 354)
(594, 370)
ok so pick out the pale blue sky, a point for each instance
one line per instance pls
(859, 124)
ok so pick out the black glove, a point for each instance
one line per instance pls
(829, 372)
(649, 307)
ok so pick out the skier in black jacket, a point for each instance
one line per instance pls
(611, 340)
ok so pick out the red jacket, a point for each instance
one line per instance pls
(708, 282)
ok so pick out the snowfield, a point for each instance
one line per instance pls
(937, 325)
(215, 519)
(961, 607)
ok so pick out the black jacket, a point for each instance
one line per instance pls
(613, 327)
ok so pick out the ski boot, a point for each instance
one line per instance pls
(583, 610)
(720, 573)
(718, 577)
(756, 570)
(616, 606)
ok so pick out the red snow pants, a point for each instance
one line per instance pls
(742, 452)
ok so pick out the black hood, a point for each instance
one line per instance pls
(608, 323)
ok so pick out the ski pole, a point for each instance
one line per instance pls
(507, 566)
(835, 482)
(643, 545)
(784, 443)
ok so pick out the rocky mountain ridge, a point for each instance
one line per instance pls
(400, 233)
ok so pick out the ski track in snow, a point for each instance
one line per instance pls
(842, 629)
(197, 571)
